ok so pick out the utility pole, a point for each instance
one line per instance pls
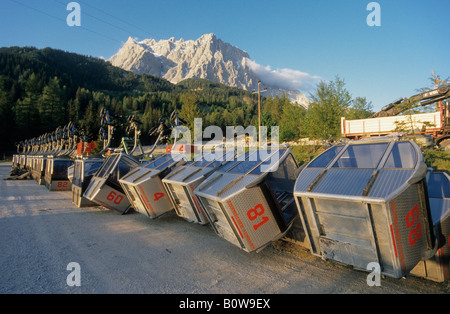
(259, 110)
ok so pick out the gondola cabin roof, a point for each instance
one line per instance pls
(200, 167)
(153, 168)
(116, 166)
(244, 172)
(361, 170)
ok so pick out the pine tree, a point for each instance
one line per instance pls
(189, 110)
(7, 119)
(52, 105)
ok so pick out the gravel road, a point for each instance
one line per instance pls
(42, 232)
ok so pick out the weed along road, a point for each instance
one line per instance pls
(48, 245)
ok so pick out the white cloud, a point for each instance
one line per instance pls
(283, 78)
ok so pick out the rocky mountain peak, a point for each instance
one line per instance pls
(208, 57)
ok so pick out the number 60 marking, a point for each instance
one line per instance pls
(114, 197)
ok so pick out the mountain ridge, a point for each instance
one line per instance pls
(207, 57)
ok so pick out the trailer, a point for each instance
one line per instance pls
(425, 123)
(249, 201)
(366, 202)
(392, 118)
(181, 183)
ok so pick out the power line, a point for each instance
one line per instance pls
(63, 20)
(121, 20)
(98, 19)
(37, 10)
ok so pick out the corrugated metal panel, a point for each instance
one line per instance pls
(227, 183)
(343, 182)
(305, 178)
(388, 181)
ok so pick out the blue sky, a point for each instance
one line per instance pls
(323, 38)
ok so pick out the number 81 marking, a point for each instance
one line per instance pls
(254, 213)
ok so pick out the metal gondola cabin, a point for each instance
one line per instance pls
(366, 202)
(144, 187)
(181, 183)
(56, 166)
(249, 201)
(104, 188)
(437, 268)
(87, 165)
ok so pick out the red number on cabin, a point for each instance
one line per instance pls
(254, 213)
(61, 184)
(411, 217)
(158, 196)
(114, 197)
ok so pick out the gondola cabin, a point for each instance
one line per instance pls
(104, 188)
(366, 202)
(83, 171)
(249, 201)
(181, 183)
(56, 178)
(144, 188)
(437, 268)
(38, 169)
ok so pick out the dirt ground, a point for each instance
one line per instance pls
(42, 232)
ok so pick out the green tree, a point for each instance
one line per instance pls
(26, 109)
(291, 124)
(7, 119)
(90, 123)
(328, 104)
(360, 109)
(189, 110)
(268, 121)
(52, 105)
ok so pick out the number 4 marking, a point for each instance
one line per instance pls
(158, 196)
